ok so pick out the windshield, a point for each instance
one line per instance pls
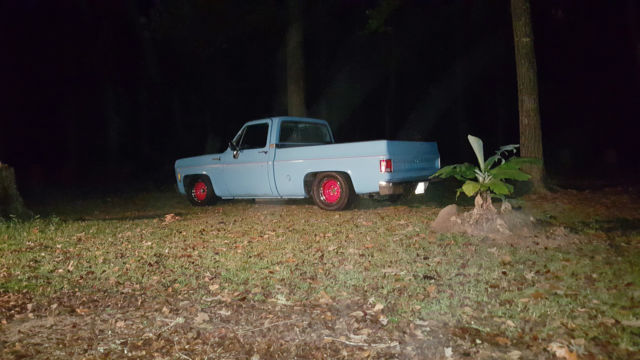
(298, 132)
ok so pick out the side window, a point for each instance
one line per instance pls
(255, 136)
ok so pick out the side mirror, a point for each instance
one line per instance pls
(236, 150)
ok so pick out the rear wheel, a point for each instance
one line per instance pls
(200, 192)
(332, 191)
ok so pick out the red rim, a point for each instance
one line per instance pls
(331, 191)
(200, 191)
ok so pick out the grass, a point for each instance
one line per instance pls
(293, 253)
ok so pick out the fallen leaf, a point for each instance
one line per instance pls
(631, 323)
(448, 352)
(169, 218)
(357, 314)
(324, 299)
(561, 351)
(608, 321)
(383, 320)
(82, 311)
(378, 307)
(514, 355)
(201, 317)
(358, 338)
(502, 341)
(505, 260)
(538, 295)
(282, 300)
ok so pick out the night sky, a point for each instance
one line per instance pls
(105, 95)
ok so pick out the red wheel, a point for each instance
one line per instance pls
(332, 191)
(200, 192)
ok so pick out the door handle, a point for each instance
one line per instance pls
(263, 151)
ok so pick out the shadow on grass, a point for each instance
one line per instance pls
(618, 225)
(439, 193)
(155, 205)
(115, 207)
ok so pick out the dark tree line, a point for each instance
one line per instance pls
(103, 91)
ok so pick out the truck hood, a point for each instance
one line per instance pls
(196, 161)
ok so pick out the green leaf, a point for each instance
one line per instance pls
(498, 155)
(490, 161)
(500, 187)
(476, 144)
(502, 172)
(461, 172)
(471, 187)
(507, 148)
(517, 162)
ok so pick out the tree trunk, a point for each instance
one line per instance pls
(528, 107)
(10, 201)
(295, 62)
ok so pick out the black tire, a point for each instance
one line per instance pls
(200, 192)
(332, 191)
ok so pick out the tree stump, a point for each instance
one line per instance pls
(10, 200)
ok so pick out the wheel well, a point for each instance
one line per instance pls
(310, 177)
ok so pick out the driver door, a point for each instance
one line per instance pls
(246, 173)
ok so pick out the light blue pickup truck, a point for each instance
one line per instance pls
(293, 157)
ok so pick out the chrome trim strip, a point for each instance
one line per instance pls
(336, 158)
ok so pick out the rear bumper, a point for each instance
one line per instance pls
(396, 188)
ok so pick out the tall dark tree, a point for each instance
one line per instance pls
(295, 61)
(528, 106)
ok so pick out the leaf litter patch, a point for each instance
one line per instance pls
(220, 327)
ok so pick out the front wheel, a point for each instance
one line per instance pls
(200, 192)
(332, 191)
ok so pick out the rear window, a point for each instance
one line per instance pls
(298, 132)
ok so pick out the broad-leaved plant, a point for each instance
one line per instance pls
(489, 177)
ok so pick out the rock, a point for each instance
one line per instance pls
(444, 222)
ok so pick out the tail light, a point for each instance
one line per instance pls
(386, 166)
